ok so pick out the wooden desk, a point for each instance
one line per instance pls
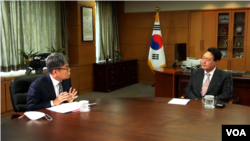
(171, 82)
(165, 82)
(127, 119)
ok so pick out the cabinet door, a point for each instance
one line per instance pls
(238, 65)
(223, 32)
(3, 100)
(223, 64)
(208, 30)
(195, 35)
(239, 20)
(247, 52)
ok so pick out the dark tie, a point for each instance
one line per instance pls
(205, 85)
(60, 87)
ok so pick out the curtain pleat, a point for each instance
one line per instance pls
(107, 26)
(29, 25)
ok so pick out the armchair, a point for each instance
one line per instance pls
(19, 87)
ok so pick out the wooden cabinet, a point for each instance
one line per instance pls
(202, 32)
(114, 75)
(231, 38)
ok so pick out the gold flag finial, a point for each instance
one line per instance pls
(157, 9)
(157, 14)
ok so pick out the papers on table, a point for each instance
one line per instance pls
(179, 101)
(65, 107)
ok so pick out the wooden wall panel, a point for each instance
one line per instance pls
(195, 34)
(174, 18)
(74, 74)
(139, 52)
(72, 36)
(71, 3)
(73, 56)
(138, 20)
(209, 31)
(135, 36)
(120, 6)
(87, 55)
(72, 18)
(169, 52)
(174, 35)
(144, 72)
(86, 77)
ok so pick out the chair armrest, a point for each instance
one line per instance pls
(17, 114)
(183, 96)
(231, 101)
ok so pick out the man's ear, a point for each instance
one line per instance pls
(54, 72)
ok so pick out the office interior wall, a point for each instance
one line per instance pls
(135, 31)
(149, 6)
(81, 54)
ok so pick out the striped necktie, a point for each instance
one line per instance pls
(60, 87)
(205, 85)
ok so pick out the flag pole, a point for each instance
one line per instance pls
(157, 19)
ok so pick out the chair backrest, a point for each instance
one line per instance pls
(19, 88)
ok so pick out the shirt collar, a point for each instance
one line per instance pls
(211, 73)
(54, 81)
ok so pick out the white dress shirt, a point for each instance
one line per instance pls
(56, 87)
(210, 77)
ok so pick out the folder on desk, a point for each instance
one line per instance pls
(179, 101)
(65, 107)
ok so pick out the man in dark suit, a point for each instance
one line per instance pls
(54, 87)
(208, 80)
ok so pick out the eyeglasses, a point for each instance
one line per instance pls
(67, 68)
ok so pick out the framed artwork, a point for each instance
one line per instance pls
(87, 24)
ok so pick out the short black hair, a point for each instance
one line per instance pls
(56, 60)
(216, 52)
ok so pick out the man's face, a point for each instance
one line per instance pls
(207, 62)
(63, 72)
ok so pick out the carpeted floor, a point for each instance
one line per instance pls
(136, 90)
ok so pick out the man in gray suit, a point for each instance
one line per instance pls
(208, 80)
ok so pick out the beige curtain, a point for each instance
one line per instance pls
(107, 29)
(28, 25)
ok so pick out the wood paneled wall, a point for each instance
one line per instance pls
(135, 32)
(81, 54)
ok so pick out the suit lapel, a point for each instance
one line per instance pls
(50, 87)
(200, 78)
(216, 77)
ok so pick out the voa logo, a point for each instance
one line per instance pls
(236, 132)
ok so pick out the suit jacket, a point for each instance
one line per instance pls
(42, 91)
(220, 85)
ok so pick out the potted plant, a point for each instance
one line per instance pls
(117, 54)
(53, 50)
(28, 56)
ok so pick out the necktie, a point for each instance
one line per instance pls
(205, 85)
(60, 87)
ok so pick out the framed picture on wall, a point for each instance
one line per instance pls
(87, 24)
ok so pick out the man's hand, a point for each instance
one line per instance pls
(72, 95)
(60, 98)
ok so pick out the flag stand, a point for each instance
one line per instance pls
(153, 85)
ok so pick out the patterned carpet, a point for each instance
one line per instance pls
(136, 90)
